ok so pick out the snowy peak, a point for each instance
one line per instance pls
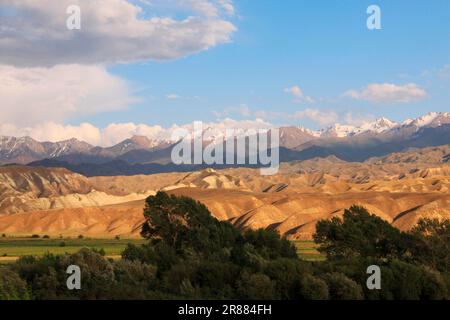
(378, 126)
(338, 131)
(56, 149)
(432, 119)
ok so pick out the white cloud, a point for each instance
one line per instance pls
(227, 5)
(388, 92)
(117, 132)
(299, 95)
(357, 119)
(31, 96)
(322, 117)
(54, 132)
(112, 31)
(173, 96)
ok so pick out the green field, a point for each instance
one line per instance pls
(11, 248)
(307, 250)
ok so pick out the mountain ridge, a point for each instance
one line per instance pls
(141, 154)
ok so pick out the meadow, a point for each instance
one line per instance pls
(12, 248)
(307, 250)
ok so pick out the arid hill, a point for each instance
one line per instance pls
(400, 188)
(27, 189)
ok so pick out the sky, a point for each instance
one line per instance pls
(138, 66)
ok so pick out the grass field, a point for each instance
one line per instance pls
(12, 248)
(307, 250)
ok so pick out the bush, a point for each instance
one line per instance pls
(12, 287)
(35, 236)
(312, 288)
(46, 236)
(360, 234)
(133, 279)
(342, 288)
(256, 287)
(433, 286)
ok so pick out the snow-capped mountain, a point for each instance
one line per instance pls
(26, 149)
(432, 119)
(340, 131)
(142, 149)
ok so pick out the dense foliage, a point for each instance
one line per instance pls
(191, 255)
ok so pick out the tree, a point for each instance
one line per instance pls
(12, 287)
(359, 234)
(343, 288)
(434, 236)
(313, 288)
(181, 222)
(256, 286)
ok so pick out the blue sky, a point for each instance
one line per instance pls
(161, 62)
(324, 47)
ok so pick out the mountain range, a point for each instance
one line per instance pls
(140, 154)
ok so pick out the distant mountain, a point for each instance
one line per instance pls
(25, 149)
(340, 131)
(292, 137)
(140, 154)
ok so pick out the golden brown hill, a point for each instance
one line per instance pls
(27, 189)
(100, 222)
(56, 201)
(295, 214)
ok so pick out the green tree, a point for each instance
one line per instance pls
(360, 234)
(256, 286)
(434, 249)
(12, 287)
(181, 222)
(342, 288)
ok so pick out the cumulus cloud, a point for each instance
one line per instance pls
(388, 92)
(117, 132)
(31, 96)
(298, 94)
(318, 116)
(54, 132)
(112, 31)
(322, 117)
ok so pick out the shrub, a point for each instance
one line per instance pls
(12, 287)
(257, 287)
(312, 288)
(342, 288)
